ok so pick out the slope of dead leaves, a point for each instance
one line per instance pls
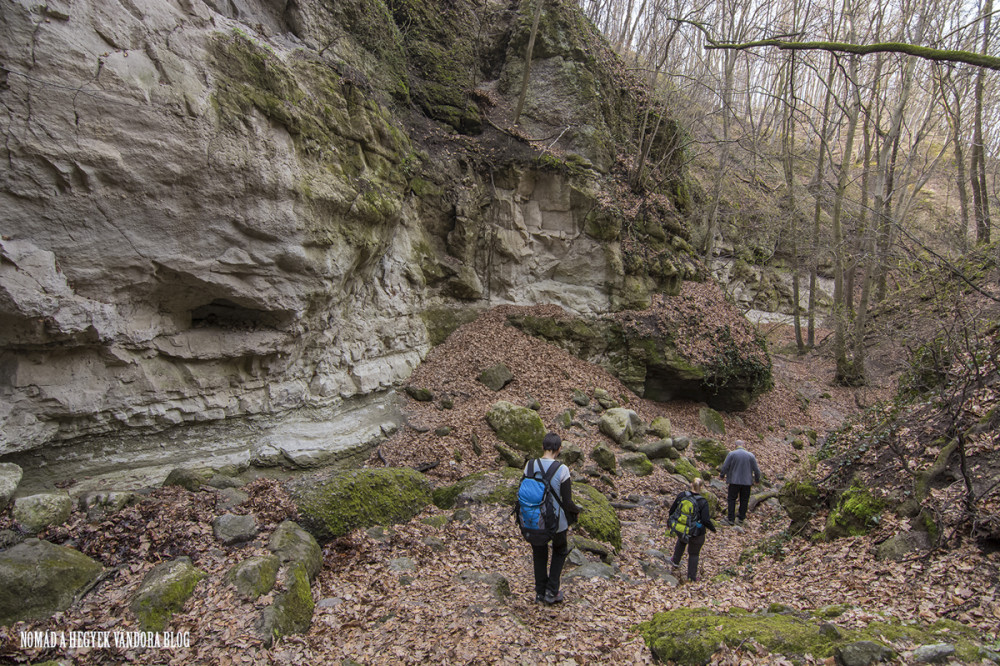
(372, 611)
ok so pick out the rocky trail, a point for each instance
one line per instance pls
(455, 586)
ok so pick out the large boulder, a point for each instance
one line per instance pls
(800, 500)
(496, 377)
(710, 452)
(620, 424)
(38, 578)
(255, 576)
(604, 457)
(597, 516)
(638, 464)
(36, 512)
(478, 488)
(10, 476)
(856, 512)
(232, 529)
(901, 545)
(361, 498)
(518, 426)
(163, 592)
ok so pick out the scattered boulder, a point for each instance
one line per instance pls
(903, 544)
(863, 653)
(232, 529)
(638, 464)
(709, 451)
(36, 512)
(292, 610)
(686, 469)
(661, 448)
(856, 512)
(499, 585)
(99, 505)
(604, 458)
(533, 404)
(659, 570)
(800, 500)
(933, 654)
(604, 399)
(255, 576)
(292, 544)
(38, 578)
(712, 420)
(496, 377)
(580, 398)
(230, 498)
(577, 542)
(681, 443)
(597, 517)
(518, 426)
(419, 394)
(361, 498)
(620, 424)
(660, 426)
(10, 477)
(221, 481)
(570, 454)
(508, 457)
(402, 564)
(187, 478)
(163, 592)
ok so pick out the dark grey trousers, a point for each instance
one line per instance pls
(547, 578)
(694, 550)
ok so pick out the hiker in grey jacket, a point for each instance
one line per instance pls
(741, 471)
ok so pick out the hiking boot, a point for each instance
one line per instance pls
(726, 522)
(739, 522)
(556, 598)
(539, 598)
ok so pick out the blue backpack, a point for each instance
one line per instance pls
(535, 511)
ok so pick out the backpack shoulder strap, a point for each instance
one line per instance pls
(530, 472)
(550, 472)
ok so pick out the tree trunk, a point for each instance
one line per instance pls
(527, 61)
(818, 209)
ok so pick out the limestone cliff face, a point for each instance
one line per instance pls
(218, 209)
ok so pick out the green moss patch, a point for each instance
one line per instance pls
(361, 498)
(163, 592)
(857, 511)
(597, 516)
(518, 426)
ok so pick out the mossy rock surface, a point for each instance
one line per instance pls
(686, 468)
(163, 592)
(800, 500)
(254, 576)
(604, 457)
(36, 512)
(661, 427)
(856, 512)
(693, 635)
(638, 464)
(518, 426)
(709, 451)
(496, 377)
(712, 420)
(597, 517)
(361, 498)
(292, 610)
(620, 424)
(38, 578)
(293, 544)
(188, 478)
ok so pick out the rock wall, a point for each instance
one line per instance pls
(230, 209)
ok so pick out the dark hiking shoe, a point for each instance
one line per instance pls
(556, 598)
(539, 598)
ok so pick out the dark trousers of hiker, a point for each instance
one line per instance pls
(694, 550)
(546, 577)
(741, 492)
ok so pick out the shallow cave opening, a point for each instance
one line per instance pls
(223, 313)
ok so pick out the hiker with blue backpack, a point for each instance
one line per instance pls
(544, 512)
(689, 521)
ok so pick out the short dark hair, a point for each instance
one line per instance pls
(551, 442)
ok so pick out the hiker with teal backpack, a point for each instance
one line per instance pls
(544, 512)
(689, 520)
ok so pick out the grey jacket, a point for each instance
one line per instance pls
(740, 468)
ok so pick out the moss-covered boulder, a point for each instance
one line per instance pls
(495, 377)
(163, 592)
(479, 488)
(570, 454)
(686, 468)
(856, 512)
(712, 420)
(660, 426)
(293, 544)
(518, 426)
(800, 500)
(597, 517)
(254, 576)
(709, 451)
(38, 578)
(361, 498)
(419, 393)
(604, 457)
(638, 464)
(292, 609)
(36, 512)
(189, 478)
(509, 457)
(620, 424)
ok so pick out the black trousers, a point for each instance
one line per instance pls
(741, 492)
(546, 577)
(694, 550)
